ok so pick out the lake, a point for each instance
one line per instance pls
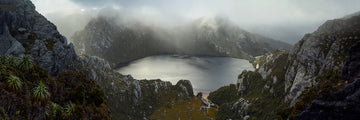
(205, 73)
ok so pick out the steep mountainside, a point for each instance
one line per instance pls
(23, 31)
(318, 72)
(320, 52)
(29, 92)
(118, 40)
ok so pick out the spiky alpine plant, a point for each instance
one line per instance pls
(11, 61)
(14, 83)
(2, 59)
(69, 110)
(25, 62)
(53, 110)
(40, 93)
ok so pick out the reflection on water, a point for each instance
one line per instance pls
(205, 73)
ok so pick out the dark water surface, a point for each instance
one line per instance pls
(205, 73)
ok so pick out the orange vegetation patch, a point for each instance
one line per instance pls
(184, 110)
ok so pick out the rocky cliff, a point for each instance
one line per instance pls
(118, 40)
(314, 73)
(320, 52)
(25, 31)
(343, 103)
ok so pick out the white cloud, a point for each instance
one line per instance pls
(275, 16)
(50, 6)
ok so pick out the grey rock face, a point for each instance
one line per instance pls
(239, 109)
(186, 89)
(335, 46)
(320, 52)
(8, 44)
(343, 104)
(15, 49)
(23, 26)
(351, 67)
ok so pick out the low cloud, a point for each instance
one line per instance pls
(285, 20)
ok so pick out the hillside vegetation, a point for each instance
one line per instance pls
(29, 92)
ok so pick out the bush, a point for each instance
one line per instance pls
(69, 110)
(2, 59)
(25, 62)
(96, 96)
(40, 92)
(11, 61)
(14, 83)
(224, 94)
(33, 100)
(200, 94)
(53, 111)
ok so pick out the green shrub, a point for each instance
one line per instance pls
(225, 112)
(79, 95)
(11, 61)
(35, 101)
(3, 115)
(96, 96)
(14, 83)
(25, 62)
(54, 110)
(69, 110)
(224, 94)
(40, 92)
(2, 59)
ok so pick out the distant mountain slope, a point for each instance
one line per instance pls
(317, 79)
(23, 31)
(118, 42)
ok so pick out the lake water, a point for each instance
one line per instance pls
(205, 73)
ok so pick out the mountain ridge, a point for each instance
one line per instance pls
(305, 82)
(23, 31)
(209, 37)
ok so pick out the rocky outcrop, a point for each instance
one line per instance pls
(129, 98)
(285, 79)
(9, 45)
(351, 69)
(117, 40)
(25, 31)
(260, 92)
(319, 52)
(343, 104)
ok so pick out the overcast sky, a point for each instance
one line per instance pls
(285, 20)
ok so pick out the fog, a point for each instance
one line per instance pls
(285, 20)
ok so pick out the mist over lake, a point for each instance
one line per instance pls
(205, 73)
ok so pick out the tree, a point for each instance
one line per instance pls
(40, 92)
(14, 83)
(25, 62)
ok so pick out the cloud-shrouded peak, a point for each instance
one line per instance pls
(286, 20)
